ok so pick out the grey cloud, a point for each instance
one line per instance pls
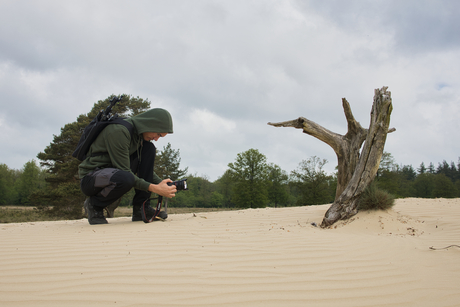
(248, 62)
(417, 26)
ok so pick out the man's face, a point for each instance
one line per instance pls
(153, 136)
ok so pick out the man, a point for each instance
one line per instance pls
(117, 163)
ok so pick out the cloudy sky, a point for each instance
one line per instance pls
(226, 68)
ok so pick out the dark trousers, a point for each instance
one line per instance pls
(104, 186)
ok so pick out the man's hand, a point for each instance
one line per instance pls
(163, 189)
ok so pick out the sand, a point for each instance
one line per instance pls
(255, 257)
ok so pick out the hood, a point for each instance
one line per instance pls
(154, 120)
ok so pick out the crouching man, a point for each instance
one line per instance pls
(118, 161)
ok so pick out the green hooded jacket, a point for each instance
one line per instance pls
(115, 140)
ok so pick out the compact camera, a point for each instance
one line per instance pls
(180, 184)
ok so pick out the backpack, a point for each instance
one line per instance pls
(102, 120)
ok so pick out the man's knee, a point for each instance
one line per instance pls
(124, 180)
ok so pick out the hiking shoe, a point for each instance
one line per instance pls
(110, 209)
(137, 216)
(161, 216)
(147, 214)
(95, 217)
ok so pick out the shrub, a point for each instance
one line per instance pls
(22, 215)
(375, 199)
(64, 202)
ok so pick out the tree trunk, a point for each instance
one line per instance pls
(355, 171)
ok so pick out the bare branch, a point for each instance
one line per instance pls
(310, 127)
(296, 123)
(353, 126)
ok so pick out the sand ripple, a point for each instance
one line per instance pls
(258, 257)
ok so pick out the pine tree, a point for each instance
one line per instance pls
(431, 169)
(249, 173)
(167, 164)
(458, 169)
(443, 168)
(408, 172)
(422, 168)
(453, 172)
(63, 193)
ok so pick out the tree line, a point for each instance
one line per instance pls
(17, 186)
(424, 182)
(249, 182)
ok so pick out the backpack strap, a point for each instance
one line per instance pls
(119, 121)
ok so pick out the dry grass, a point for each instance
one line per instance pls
(127, 211)
(18, 214)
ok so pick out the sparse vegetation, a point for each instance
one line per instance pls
(17, 214)
(23, 215)
(374, 198)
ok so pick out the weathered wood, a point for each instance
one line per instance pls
(355, 170)
(345, 206)
(346, 146)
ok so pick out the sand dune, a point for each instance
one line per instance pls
(256, 257)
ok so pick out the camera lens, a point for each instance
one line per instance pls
(180, 184)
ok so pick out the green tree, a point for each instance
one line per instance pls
(63, 192)
(225, 186)
(332, 183)
(249, 172)
(277, 185)
(424, 185)
(444, 168)
(8, 178)
(457, 186)
(203, 190)
(408, 175)
(30, 181)
(387, 164)
(387, 179)
(217, 200)
(458, 169)
(167, 164)
(201, 194)
(453, 172)
(444, 187)
(390, 181)
(397, 180)
(313, 182)
(408, 172)
(431, 169)
(182, 200)
(422, 168)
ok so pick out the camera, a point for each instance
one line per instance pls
(180, 184)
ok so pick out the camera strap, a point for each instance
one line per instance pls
(157, 209)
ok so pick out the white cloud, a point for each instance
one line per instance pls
(225, 69)
(208, 123)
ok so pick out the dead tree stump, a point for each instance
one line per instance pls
(355, 170)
